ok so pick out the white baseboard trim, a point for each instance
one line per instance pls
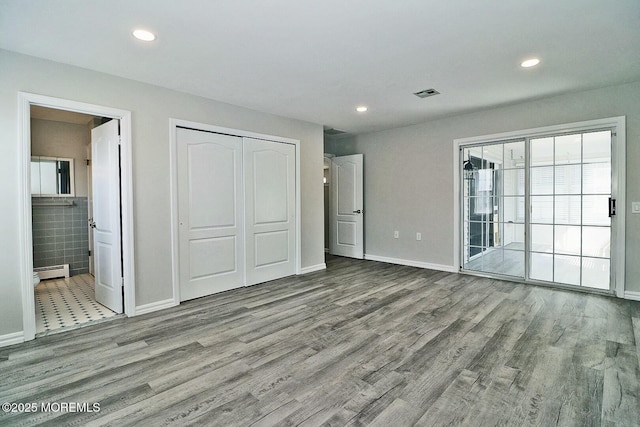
(635, 296)
(11, 339)
(311, 269)
(155, 306)
(411, 263)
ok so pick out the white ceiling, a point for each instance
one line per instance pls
(318, 60)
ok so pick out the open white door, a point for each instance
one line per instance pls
(346, 226)
(210, 213)
(90, 209)
(105, 153)
(270, 209)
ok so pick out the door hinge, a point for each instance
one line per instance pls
(88, 162)
(89, 252)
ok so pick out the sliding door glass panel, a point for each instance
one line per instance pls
(580, 234)
(541, 267)
(596, 241)
(493, 189)
(513, 263)
(596, 178)
(542, 238)
(542, 209)
(596, 272)
(567, 240)
(512, 209)
(596, 147)
(568, 149)
(595, 210)
(566, 269)
(568, 179)
(541, 152)
(541, 180)
(567, 210)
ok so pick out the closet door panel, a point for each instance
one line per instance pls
(210, 210)
(270, 209)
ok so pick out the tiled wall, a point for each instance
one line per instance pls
(60, 233)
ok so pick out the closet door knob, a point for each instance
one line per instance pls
(358, 211)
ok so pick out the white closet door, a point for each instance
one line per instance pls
(210, 213)
(270, 209)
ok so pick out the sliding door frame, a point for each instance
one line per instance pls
(618, 189)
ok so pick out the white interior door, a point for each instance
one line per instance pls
(105, 150)
(90, 210)
(346, 225)
(210, 213)
(270, 209)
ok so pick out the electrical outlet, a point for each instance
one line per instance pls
(396, 234)
(635, 207)
(418, 236)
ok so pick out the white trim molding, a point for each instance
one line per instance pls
(155, 306)
(632, 295)
(11, 339)
(412, 263)
(25, 101)
(313, 268)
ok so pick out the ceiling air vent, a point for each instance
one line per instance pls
(426, 93)
(333, 132)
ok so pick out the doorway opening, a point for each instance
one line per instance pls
(62, 278)
(61, 210)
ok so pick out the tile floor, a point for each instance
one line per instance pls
(63, 304)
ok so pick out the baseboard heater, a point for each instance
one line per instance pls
(53, 271)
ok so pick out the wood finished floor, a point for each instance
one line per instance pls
(363, 343)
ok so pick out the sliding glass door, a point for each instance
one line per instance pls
(570, 187)
(538, 208)
(493, 186)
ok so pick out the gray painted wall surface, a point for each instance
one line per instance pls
(408, 172)
(151, 108)
(59, 139)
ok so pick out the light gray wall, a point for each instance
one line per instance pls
(151, 108)
(59, 139)
(408, 172)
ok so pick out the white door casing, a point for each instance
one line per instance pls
(346, 226)
(210, 213)
(105, 152)
(270, 210)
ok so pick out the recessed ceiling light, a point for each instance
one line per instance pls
(361, 109)
(144, 35)
(530, 63)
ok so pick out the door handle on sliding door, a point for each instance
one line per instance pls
(612, 207)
